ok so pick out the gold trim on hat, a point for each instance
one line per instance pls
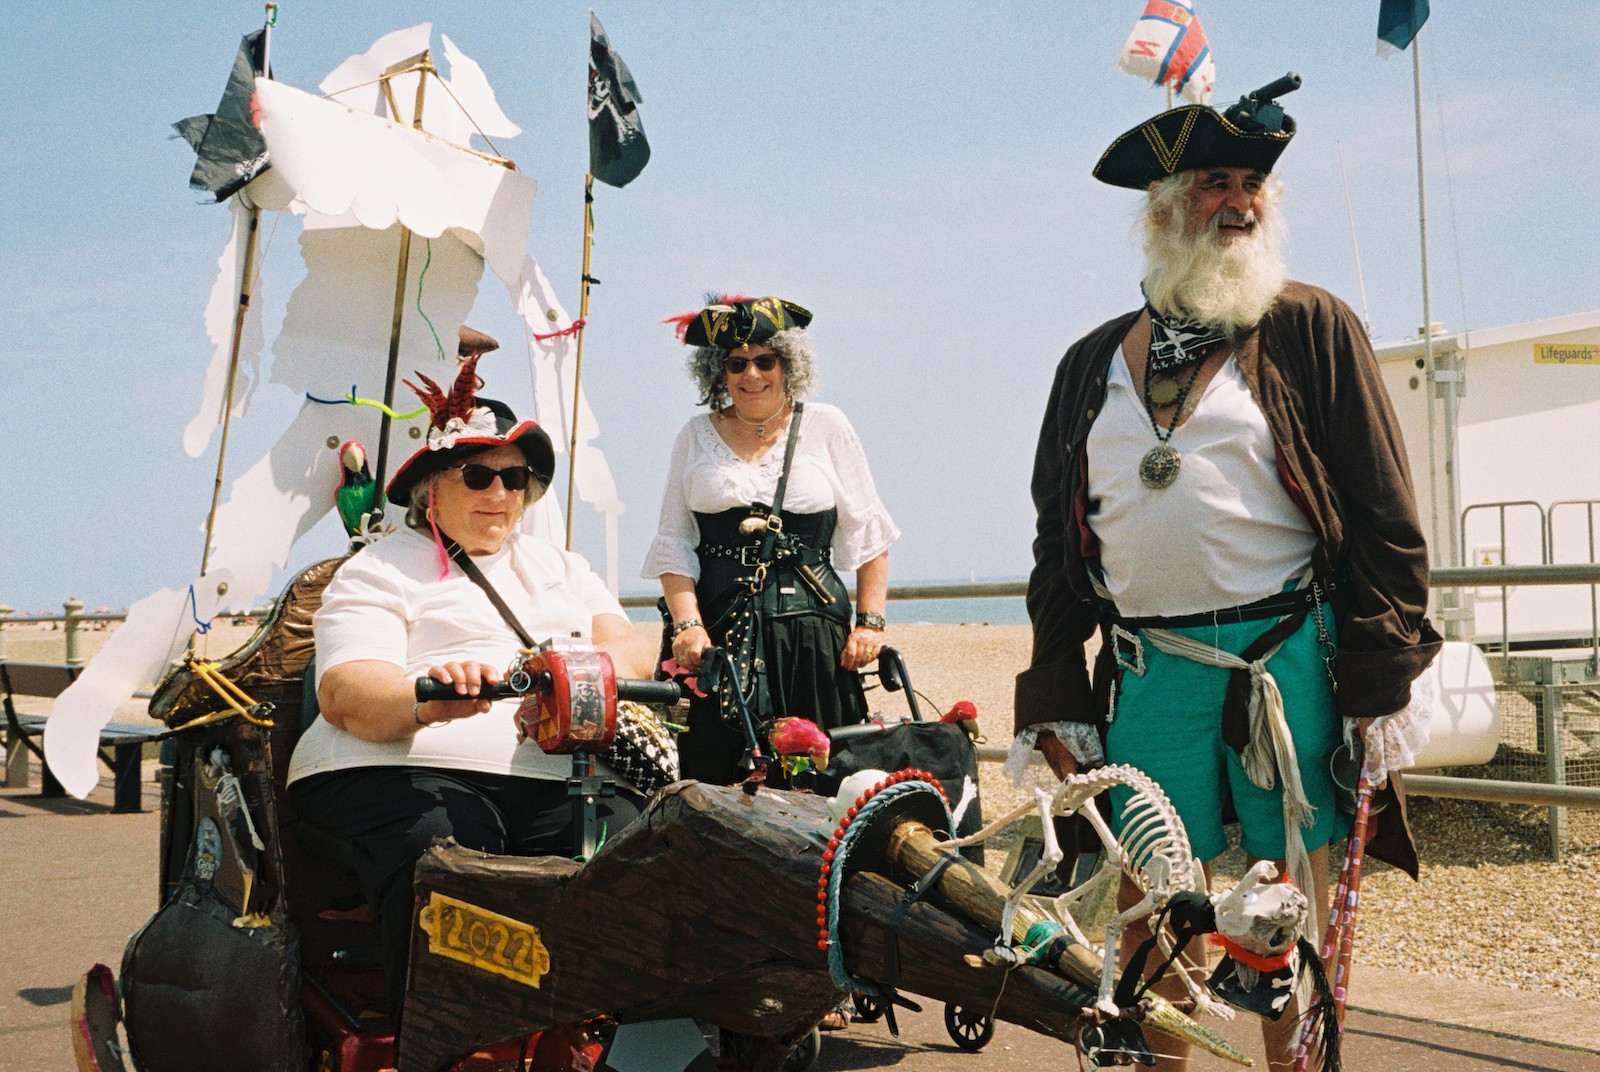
(1169, 157)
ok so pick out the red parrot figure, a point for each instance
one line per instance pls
(800, 745)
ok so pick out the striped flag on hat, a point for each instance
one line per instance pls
(1168, 47)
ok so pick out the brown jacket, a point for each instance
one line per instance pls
(1309, 366)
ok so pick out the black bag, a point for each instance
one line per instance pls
(200, 993)
(942, 749)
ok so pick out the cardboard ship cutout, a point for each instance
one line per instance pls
(401, 216)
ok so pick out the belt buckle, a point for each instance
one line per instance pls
(750, 555)
(1118, 635)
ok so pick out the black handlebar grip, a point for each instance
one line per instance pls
(429, 689)
(644, 691)
(519, 684)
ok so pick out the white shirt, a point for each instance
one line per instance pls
(388, 603)
(1223, 534)
(829, 471)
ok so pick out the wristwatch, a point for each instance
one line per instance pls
(865, 619)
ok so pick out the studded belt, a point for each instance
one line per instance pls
(749, 554)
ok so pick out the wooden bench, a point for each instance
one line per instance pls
(25, 732)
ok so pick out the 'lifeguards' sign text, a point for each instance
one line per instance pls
(1565, 353)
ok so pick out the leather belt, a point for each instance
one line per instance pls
(1278, 604)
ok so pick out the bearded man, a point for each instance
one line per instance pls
(1223, 494)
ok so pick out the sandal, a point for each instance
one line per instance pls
(838, 1018)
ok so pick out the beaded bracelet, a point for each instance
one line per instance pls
(416, 717)
(686, 625)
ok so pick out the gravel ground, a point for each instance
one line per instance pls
(1491, 907)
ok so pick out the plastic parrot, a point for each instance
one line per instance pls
(357, 494)
(964, 714)
(800, 745)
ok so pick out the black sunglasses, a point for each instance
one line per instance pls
(479, 477)
(737, 365)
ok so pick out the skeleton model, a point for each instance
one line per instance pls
(1153, 852)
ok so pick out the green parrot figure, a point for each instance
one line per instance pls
(357, 494)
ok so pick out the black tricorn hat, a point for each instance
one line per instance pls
(734, 321)
(1250, 134)
(462, 425)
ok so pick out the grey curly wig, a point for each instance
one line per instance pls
(792, 346)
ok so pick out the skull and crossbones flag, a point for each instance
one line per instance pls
(229, 150)
(618, 150)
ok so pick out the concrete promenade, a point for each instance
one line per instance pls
(77, 880)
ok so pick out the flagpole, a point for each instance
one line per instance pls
(422, 63)
(240, 311)
(1449, 599)
(577, 368)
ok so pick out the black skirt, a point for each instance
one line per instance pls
(797, 628)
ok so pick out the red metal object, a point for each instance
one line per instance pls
(570, 1048)
(573, 704)
(342, 1034)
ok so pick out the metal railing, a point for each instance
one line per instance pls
(1556, 796)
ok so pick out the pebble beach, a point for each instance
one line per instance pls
(1491, 907)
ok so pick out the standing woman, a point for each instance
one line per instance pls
(788, 625)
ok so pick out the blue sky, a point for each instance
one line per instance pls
(917, 174)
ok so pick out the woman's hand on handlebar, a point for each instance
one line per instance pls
(689, 647)
(861, 647)
(468, 678)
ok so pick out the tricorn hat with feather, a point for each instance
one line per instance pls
(461, 425)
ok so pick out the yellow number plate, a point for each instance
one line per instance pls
(486, 940)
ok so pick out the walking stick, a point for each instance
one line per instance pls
(1339, 941)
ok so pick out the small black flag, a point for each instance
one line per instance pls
(618, 150)
(230, 149)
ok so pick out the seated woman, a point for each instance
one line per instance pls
(389, 774)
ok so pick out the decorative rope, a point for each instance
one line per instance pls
(426, 261)
(830, 883)
(237, 700)
(351, 400)
(577, 326)
(194, 612)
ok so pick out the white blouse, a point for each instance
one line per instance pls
(388, 603)
(1223, 534)
(829, 471)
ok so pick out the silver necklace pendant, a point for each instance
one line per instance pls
(1159, 467)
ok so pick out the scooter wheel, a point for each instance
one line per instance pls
(969, 1030)
(869, 1010)
(804, 1055)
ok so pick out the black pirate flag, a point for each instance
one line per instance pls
(618, 150)
(229, 149)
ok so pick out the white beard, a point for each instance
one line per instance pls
(1223, 283)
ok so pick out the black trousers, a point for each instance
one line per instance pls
(389, 816)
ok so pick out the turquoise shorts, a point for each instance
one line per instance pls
(1168, 723)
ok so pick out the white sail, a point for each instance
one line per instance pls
(355, 178)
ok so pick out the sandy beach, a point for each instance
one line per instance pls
(1489, 896)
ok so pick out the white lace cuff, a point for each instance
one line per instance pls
(1393, 742)
(1081, 739)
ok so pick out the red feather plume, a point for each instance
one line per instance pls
(459, 402)
(680, 323)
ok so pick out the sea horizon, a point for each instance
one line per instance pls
(975, 610)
